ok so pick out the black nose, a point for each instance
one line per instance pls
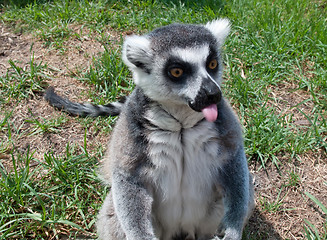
(208, 94)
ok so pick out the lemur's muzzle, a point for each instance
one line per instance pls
(207, 99)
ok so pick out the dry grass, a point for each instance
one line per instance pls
(281, 203)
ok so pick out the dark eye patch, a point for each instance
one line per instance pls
(178, 70)
(212, 63)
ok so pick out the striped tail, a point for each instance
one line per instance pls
(82, 109)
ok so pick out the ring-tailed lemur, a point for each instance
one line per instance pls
(176, 161)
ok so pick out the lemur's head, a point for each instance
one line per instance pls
(180, 64)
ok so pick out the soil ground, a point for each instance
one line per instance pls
(282, 205)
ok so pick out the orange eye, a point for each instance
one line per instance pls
(176, 72)
(213, 64)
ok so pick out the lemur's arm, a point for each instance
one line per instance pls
(133, 205)
(235, 180)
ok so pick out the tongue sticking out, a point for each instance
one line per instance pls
(210, 112)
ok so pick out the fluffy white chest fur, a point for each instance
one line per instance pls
(183, 150)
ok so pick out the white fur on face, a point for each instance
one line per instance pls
(139, 57)
(197, 56)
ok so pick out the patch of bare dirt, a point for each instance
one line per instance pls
(282, 204)
(288, 99)
(77, 56)
(11, 45)
(281, 198)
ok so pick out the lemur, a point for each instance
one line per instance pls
(176, 162)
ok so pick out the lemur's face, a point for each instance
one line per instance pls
(179, 64)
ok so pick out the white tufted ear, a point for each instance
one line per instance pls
(137, 53)
(220, 29)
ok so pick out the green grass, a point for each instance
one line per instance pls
(277, 44)
(272, 206)
(59, 196)
(272, 44)
(311, 232)
(22, 82)
(42, 125)
(53, 19)
(110, 76)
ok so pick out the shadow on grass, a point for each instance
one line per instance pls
(259, 227)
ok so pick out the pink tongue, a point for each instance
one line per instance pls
(210, 112)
